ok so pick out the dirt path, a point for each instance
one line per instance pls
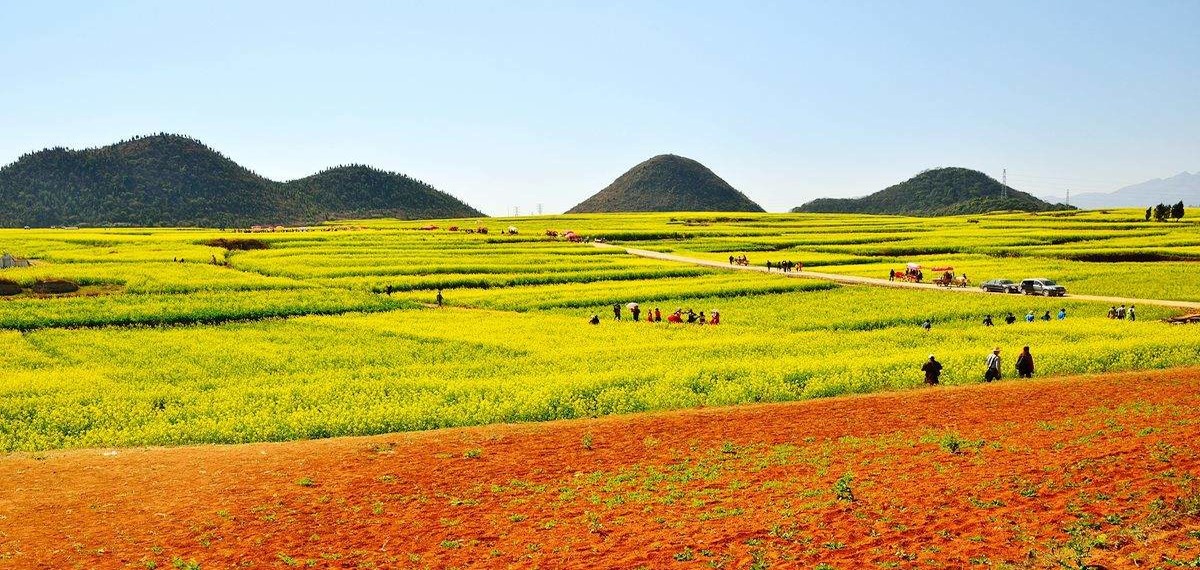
(855, 280)
(1097, 469)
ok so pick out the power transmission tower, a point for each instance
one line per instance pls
(1004, 182)
(1068, 197)
(516, 211)
(539, 208)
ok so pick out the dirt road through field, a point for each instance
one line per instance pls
(856, 280)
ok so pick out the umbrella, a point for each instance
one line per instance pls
(632, 305)
(913, 266)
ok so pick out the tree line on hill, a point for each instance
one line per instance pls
(1163, 212)
(173, 180)
(937, 192)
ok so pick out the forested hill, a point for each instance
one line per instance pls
(172, 180)
(937, 192)
(668, 183)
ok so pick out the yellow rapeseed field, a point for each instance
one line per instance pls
(334, 330)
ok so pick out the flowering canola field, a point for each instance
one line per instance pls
(332, 331)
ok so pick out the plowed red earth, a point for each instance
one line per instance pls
(1091, 470)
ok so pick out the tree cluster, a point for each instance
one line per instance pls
(1163, 212)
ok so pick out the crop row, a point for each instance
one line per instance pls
(420, 369)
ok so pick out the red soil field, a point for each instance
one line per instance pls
(1046, 473)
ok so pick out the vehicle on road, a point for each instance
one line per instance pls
(1041, 286)
(1001, 286)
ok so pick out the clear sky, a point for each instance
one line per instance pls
(515, 103)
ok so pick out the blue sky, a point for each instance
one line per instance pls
(518, 103)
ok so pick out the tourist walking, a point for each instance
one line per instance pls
(636, 311)
(993, 366)
(617, 311)
(1025, 364)
(1132, 313)
(439, 297)
(932, 370)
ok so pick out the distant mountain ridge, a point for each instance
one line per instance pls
(668, 183)
(936, 192)
(1184, 186)
(174, 180)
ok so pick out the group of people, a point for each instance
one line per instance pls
(1122, 313)
(1009, 319)
(992, 367)
(739, 260)
(655, 316)
(1029, 317)
(786, 266)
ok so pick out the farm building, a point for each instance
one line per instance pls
(7, 260)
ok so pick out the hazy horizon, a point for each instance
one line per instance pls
(518, 104)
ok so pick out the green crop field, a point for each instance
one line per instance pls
(331, 331)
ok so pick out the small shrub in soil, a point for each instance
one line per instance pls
(8, 288)
(55, 287)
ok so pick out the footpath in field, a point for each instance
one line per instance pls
(1085, 470)
(857, 280)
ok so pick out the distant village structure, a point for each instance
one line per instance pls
(7, 260)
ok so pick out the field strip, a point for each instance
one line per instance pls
(855, 280)
(639, 490)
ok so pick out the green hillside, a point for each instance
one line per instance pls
(668, 183)
(936, 192)
(171, 180)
